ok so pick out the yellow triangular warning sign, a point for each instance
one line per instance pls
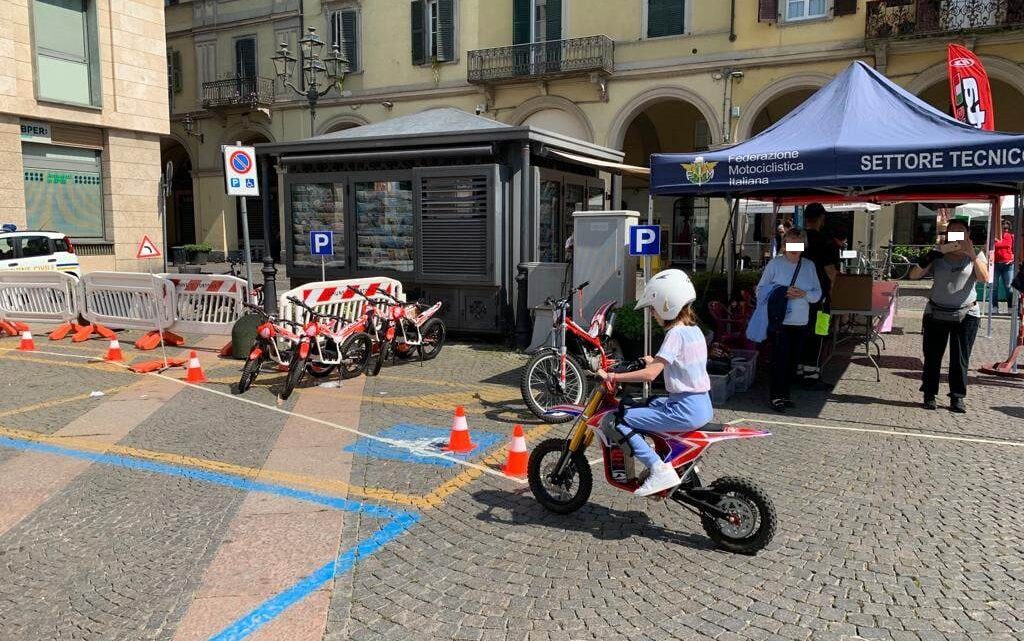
(147, 249)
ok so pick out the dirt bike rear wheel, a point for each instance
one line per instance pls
(250, 371)
(295, 371)
(754, 513)
(538, 385)
(573, 493)
(355, 354)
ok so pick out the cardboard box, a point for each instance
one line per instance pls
(852, 292)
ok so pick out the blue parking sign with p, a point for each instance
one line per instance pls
(321, 243)
(644, 240)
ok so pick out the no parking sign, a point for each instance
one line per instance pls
(240, 171)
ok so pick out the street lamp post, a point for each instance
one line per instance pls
(319, 75)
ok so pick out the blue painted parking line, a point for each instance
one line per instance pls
(420, 438)
(397, 523)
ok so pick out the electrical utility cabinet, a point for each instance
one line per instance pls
(601, 256)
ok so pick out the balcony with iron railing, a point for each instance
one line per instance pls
(251, 93)
(541, 60)
(905, 19)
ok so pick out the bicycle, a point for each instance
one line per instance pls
(557, 375)
(882, 263)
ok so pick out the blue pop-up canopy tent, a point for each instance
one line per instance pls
(859, 137)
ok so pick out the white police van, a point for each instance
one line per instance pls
(37, 250)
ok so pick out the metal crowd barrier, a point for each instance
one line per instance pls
(334, 296)
(127, 300)
(38, 296)
(207, 304)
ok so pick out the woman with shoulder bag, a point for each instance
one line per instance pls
(792, 281)
(951, 314)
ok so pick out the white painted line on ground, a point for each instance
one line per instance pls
(596, 461)
(839, 428)
(312, 419)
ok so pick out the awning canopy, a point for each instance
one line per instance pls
(860, 137)
(612, 167)
(768, 207)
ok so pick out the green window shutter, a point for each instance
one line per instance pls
(175, 62)
(419, 45)
(446, 28)
(768, 10)
(521, 21)
(553, 28)
(845, 7)
(350, 35)
(664, 18)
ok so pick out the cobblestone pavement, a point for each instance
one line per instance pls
(159, 510)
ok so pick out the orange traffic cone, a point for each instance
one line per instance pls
(195, 370)
(26, 344)
(458, 440)
(114, 352)
(515, 465)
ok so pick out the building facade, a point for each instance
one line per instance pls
(83, 107)
(642, 76)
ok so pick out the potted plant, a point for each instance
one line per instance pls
(198, 253)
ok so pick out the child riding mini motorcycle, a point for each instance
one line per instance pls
(735, 512)
(683, 359)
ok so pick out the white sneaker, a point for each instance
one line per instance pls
(661, 478)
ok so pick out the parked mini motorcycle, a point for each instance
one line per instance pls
(735, 512)
(275, 341)
(557, 375)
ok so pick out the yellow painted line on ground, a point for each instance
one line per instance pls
(438, 383)
(865, 430)
(438, 495)
(433, 499)
(67, 399)
(309, 482)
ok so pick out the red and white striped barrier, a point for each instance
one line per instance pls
(207, 304)
(335, 296)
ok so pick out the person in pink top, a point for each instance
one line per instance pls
(1002, 257)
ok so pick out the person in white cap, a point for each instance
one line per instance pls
(683, 359)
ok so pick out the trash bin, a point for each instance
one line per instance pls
(179, 255)
(243, 333)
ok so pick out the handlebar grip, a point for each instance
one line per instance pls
(628, 366)
(584, 284)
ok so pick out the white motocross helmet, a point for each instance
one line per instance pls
(667, 293)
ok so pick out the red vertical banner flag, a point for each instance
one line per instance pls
(969, 89)
(972, 103)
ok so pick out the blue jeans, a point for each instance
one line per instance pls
(675, 412)
(1003, 272)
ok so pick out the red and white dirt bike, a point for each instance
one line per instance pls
(403, 330)
(735, 512)
(557, 375)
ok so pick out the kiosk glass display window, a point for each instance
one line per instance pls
(318, 207)
(385, 235)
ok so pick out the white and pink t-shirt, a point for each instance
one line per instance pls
(685, 352)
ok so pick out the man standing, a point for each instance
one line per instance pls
(824, 253)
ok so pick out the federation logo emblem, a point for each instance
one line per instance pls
(700, 171)
(962, 62)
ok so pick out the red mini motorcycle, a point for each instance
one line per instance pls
(735, 512)
(557, 374)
